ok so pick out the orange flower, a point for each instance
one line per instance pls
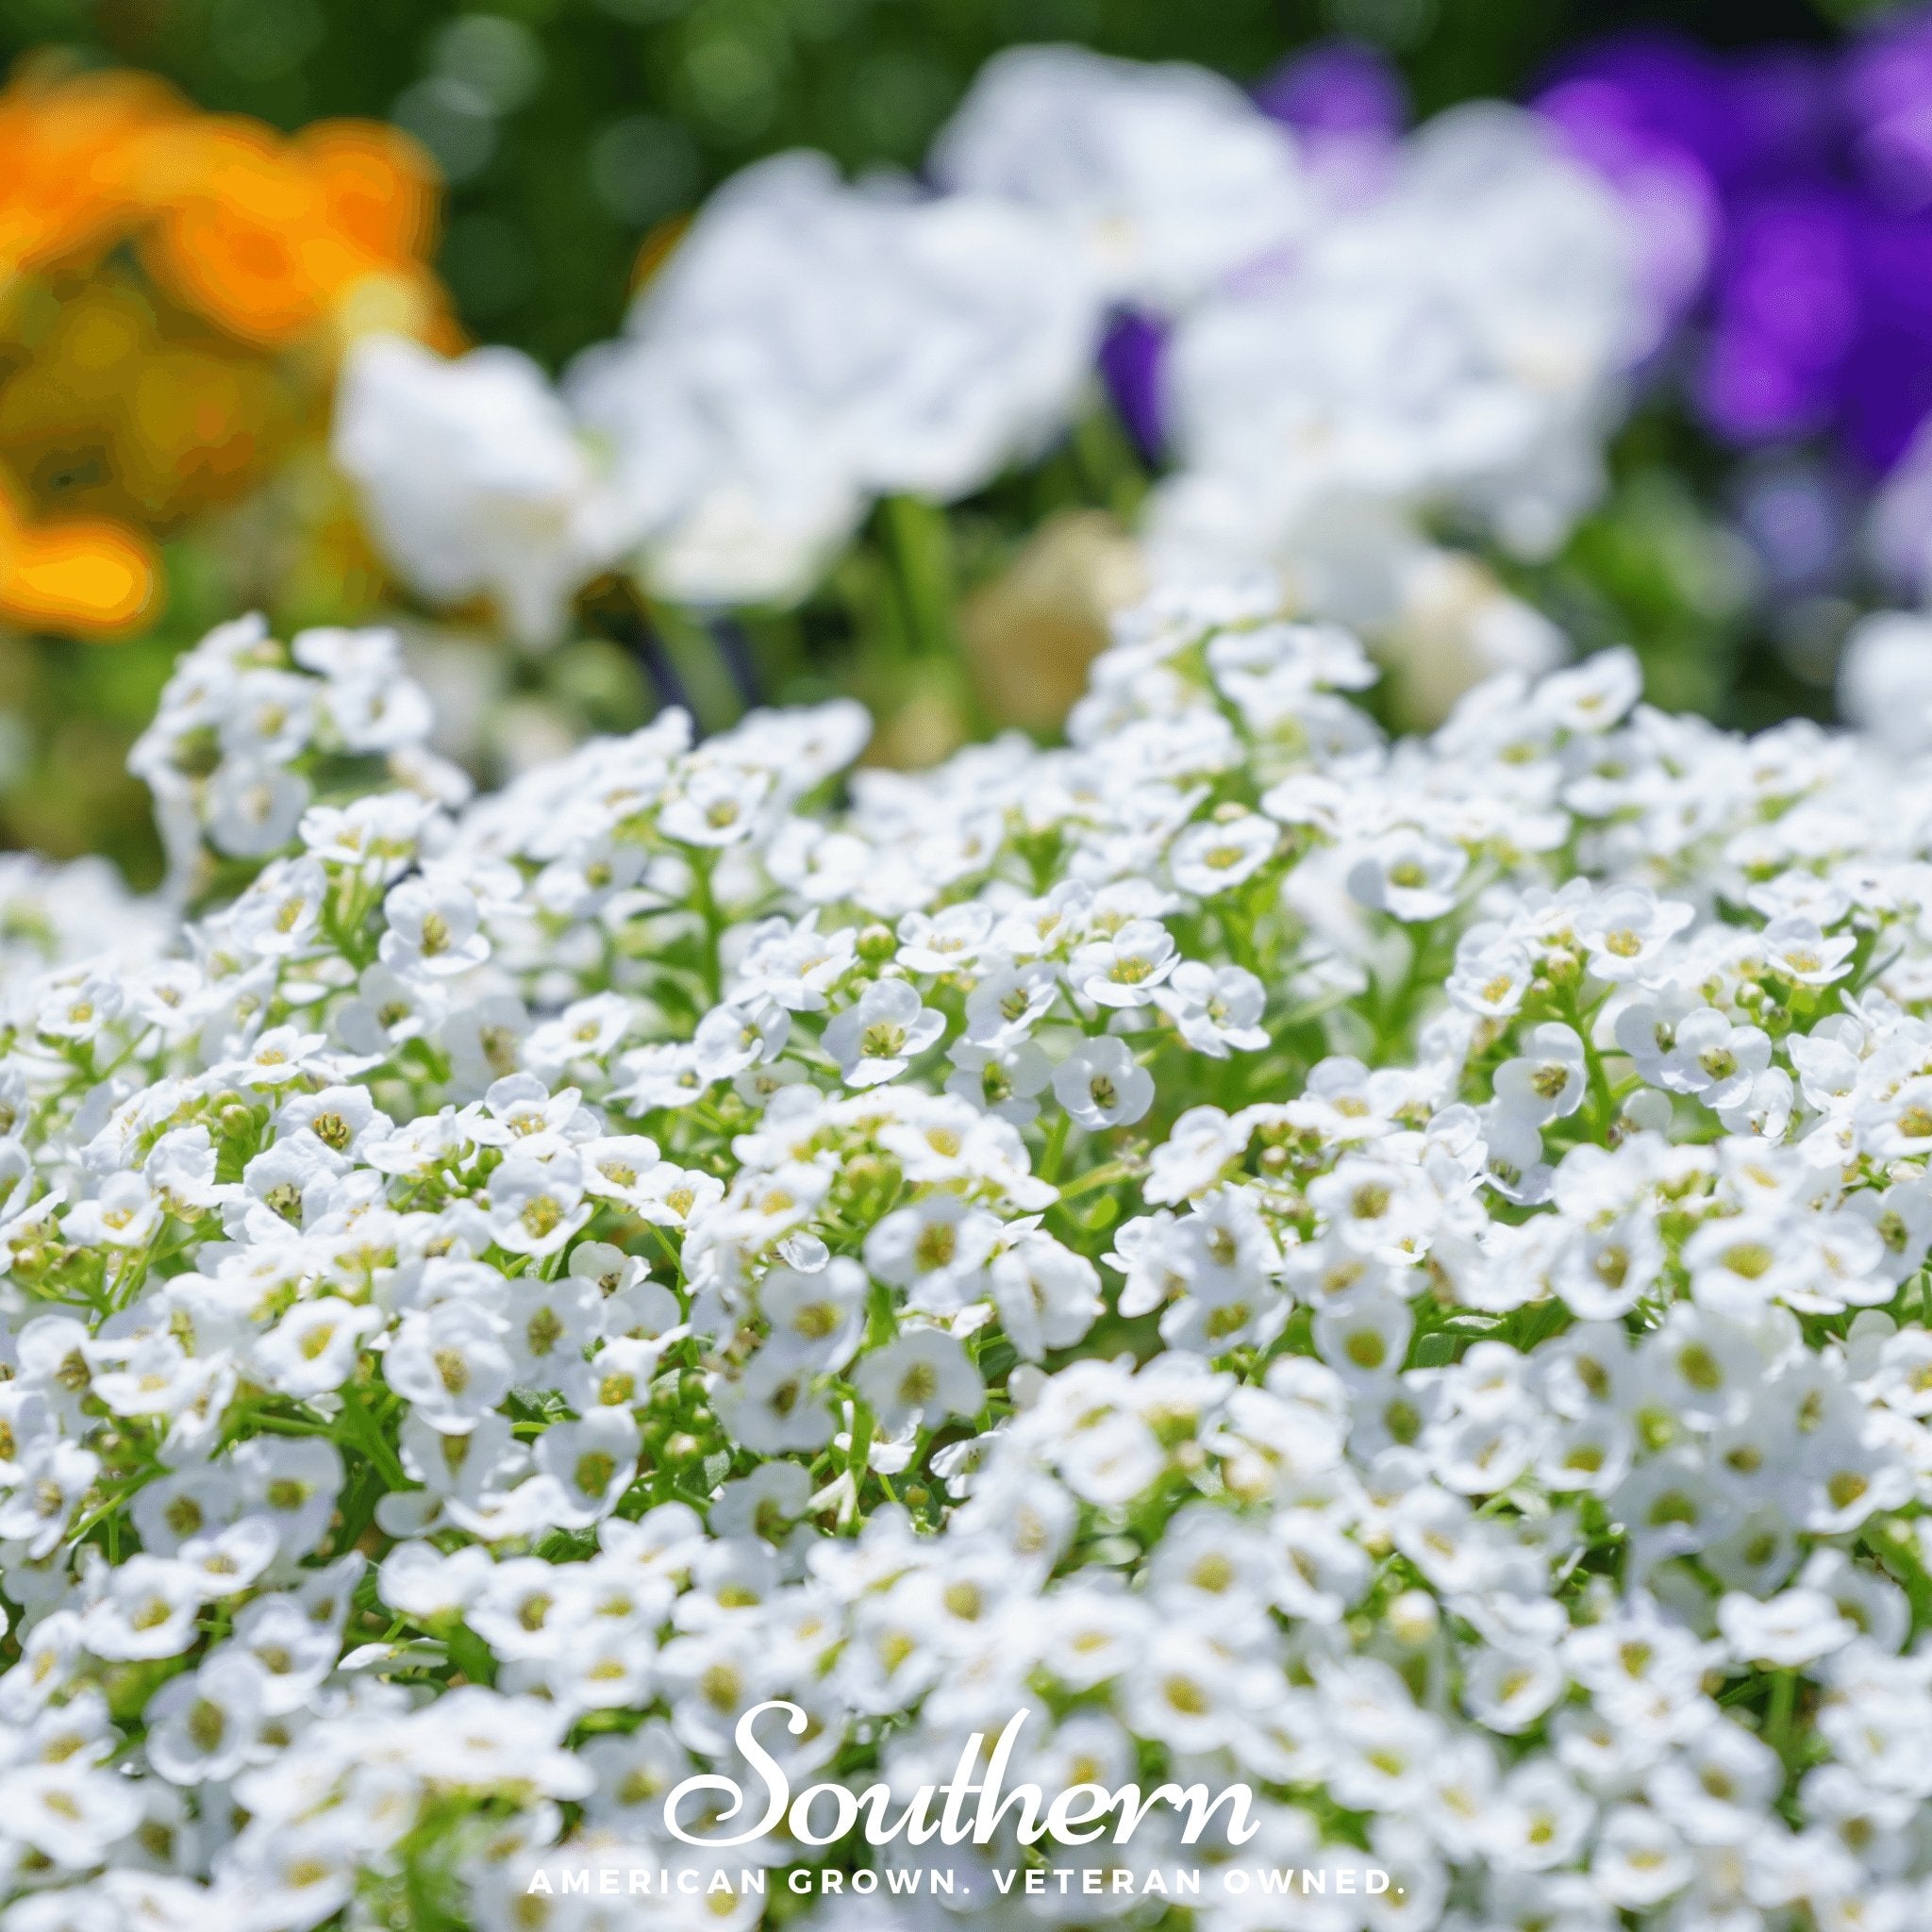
(379, 187)
(266, 237)
(69, 162)
(133, 398)
(83, 575)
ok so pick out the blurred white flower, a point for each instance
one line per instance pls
(811, 345)
(475, 480)
(1885, 680)
(1458, 343)
(1167, 178)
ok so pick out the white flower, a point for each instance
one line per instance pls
(537, 1205)
(1002, 1081)
(1221, 854)
(474, 477)
(1714, 1059)
(773, 1405)
(418, 1578)
(877, 1038)
(592, 1462)
(147, 1611)
(279, 913)
(1792, 1630)
(1216, 1008)
(205, 1726)
(1408, 876)
(1167, 177)
(1547, 1083)
(315, 1347)
(123, 1215)
(1004, 1007)
(294, 1483)
(432, 926)
(1101, 1085)
(450, 1362)
(254, 810)
(936, 1248)
(923, 1375)
(718, 806)
(1126, 967)
(71, 1814)
(1048, 1296)
(764, 393)
(1627, 930)
(1639, 1861)
(1885, 677)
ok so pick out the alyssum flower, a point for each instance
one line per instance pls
(1221, 1236)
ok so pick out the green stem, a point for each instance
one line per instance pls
(1106, 1176)
(1778, 1711)
(1108, 462)
(919, 542)
(707, 904)
(368, 1437)
(1056, 1146)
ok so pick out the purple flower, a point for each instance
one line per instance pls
(1786, 316)
(1348, 105)
(1764, 116)
(1781, 107)
(1783, 201)
(1887, 93)
(1130, 365)
(1337, 87)
(1673, 202)
(1886, 391)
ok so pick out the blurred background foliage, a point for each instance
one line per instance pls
(567, 129)
(574, 135)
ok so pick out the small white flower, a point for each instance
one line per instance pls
(1002, 1081)
(591, 1462)
(315, 1347)
(1101, 1085)
(205, 1726)
(924, 1376)
(1221, 854)
(1126, 967)
(878, 1038)
(537, 1205)
(1793, 1629)
(1547, 1082)
(1408, 876)
(451, 1364)
(432, 926)
(1627, 930)
(147, 1611)
(1216, 1008)
(773, 1405)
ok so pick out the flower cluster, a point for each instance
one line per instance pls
(252, 733)
(1336, 359)
(1393, 1273)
